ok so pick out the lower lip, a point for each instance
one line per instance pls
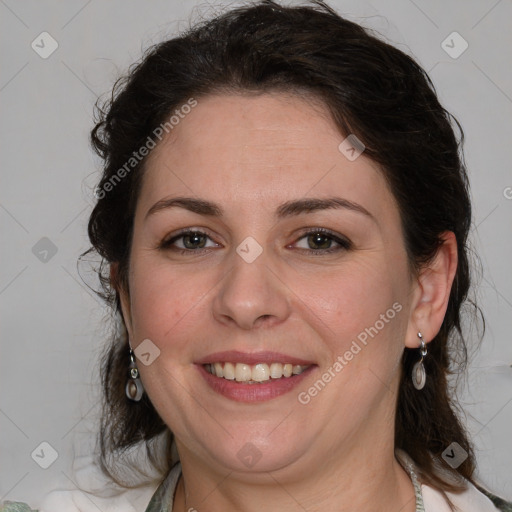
(258, 392)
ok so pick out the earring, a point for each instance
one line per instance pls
(419, 375)
(134, 389)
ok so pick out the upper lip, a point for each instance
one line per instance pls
(236, 356)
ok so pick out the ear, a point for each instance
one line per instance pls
(432, 292)
(124, 297)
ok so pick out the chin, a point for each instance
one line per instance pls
(253, 453)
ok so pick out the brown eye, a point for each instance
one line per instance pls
(194, 240)
(320, 241)
(188, 241)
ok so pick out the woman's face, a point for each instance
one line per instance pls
(299, 260)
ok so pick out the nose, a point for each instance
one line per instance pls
(251, 295)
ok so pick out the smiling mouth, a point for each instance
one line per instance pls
(254, 374)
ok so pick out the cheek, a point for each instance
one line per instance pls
(349, 299)
(361, 316)
(166, 302)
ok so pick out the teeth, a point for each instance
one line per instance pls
(260, 372)
(218, 370)
(243, 372)
(297, 369)
(276, 370)
(229, 371)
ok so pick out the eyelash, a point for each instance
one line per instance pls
(343, 243)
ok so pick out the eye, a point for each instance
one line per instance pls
(315, 241)
(188, 241)
(321, 240)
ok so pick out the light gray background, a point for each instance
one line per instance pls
(51, 323)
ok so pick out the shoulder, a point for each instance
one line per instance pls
(92, 490)
(473, 499)
(88, 491)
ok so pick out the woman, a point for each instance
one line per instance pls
(283, 217)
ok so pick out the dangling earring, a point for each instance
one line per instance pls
(134, 389)
(419, 375)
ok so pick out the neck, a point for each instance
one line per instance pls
(363, 481)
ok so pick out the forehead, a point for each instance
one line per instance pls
(258, 147)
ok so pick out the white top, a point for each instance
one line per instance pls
(99, 493)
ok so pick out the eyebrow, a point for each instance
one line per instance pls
(287, 209)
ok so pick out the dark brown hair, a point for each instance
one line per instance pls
(372, 90)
